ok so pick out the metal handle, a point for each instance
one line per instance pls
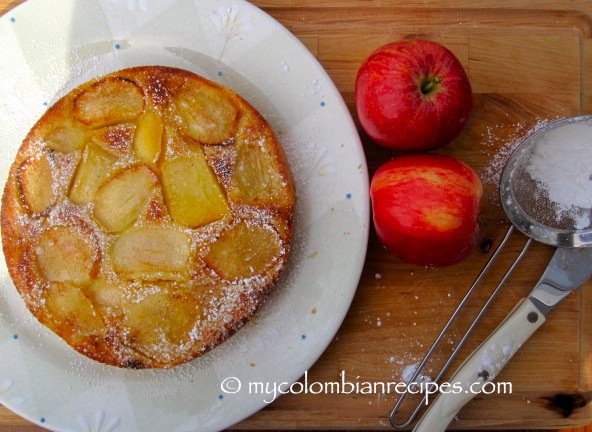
(483, 365)
(452, 318)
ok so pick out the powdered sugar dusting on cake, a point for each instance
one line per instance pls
(160, 317)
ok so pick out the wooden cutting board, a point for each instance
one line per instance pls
(526, 68)
(528, 64)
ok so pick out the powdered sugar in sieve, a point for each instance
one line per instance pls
(562, 165)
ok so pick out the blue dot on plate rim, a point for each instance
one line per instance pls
(303, 336)
(12, 19)
(15, 336)
(220, 397)
(42, 419)
(116, 46)
(220, 73)
(348, 195)
(322, 103)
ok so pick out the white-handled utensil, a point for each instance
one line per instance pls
(568, 269)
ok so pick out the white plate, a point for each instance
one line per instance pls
(49, 47)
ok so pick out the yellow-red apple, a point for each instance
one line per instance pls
(425, 208)
(412, 95)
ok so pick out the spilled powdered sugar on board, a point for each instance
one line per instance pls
(494, 139)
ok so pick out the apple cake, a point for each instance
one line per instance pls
(147, 216)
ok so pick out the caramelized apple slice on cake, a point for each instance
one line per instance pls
(259, 177)
(71, 311)
(191, 190)
(159, 322)
(106, 294)
(148, 138)
(209, 115)
(95, 167)
(119, 201)
(35, 179)
(68, 136)
(66, 254)
(245, 250)
(116, 139)
(152, 253)
(109, 101)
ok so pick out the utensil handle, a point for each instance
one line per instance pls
(482, 366)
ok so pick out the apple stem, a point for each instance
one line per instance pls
(427, 86)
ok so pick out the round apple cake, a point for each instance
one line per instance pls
(147, 216)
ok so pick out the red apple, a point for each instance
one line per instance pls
(425, 208)
(413, 95)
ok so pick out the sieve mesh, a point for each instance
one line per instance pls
(532, 197)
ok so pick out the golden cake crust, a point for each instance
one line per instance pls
(147, 215)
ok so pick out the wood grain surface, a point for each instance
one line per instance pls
(529, 63)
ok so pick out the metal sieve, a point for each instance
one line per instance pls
(526, 200)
